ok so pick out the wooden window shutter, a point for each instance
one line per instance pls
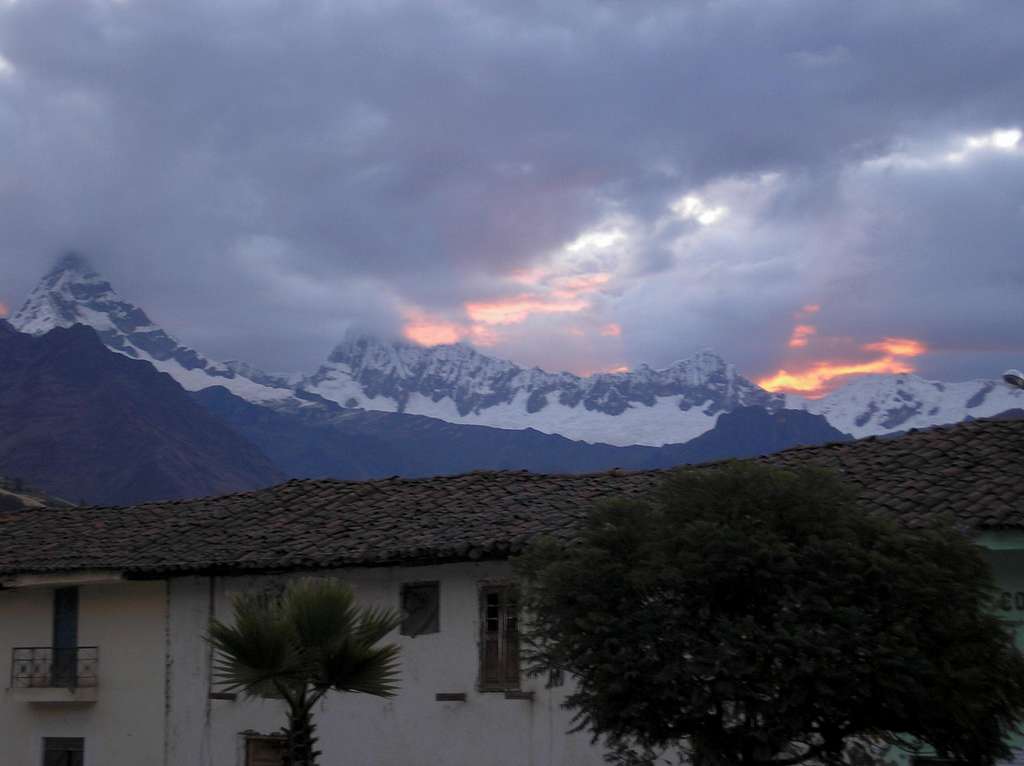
(499, 638)
(265, 750)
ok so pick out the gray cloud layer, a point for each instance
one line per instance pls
(259, 174)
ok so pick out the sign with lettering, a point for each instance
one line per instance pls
(1010, 602)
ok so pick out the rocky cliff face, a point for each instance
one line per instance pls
(73, 293)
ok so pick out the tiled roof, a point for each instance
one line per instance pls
(974, 470)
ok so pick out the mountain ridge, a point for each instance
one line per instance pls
(359, 444)
(883, 404)
(83, 422)
(459, 384)
(73, 292)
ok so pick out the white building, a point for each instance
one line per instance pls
(103, 611)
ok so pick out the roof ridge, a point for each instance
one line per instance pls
(970, 469)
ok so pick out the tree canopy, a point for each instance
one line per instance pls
(753, 615)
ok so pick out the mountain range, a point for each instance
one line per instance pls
(99, 404)
(330, 441)
(458, 384)
(73, 293)
(83, 423)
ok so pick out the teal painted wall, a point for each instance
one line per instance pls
(1008, 571)
(1004, 552)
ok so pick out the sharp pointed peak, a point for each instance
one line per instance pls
(361, 335)
(706, 353)
(359, 332)
(702, 357)
(73, 261)
(358, 336)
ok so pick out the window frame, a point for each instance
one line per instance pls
(63, 745)
(509, 666)
(250, 738)
(406, 587)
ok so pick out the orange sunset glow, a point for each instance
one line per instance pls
(3, 310)
(820, 377)
(517, 308)
(800, 335)
(539, 291)
(572, 287)
(560, 295)
(815, 381)
(428, 330)
(428, 333)
(898, 347)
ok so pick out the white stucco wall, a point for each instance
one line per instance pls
(126, 723)
(154, 704)
(411, 729)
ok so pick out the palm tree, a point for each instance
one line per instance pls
(301, 644)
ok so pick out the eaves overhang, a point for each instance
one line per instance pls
(61, 579)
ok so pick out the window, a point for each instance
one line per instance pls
(264, 750)
(420, 610)
(65, 637)
(499, 638)
(63, 751)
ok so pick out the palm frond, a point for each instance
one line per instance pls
(360, 667)
(258, 652)
(375, 623)
(313, 634)
(319, 610)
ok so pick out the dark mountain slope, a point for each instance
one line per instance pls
(752, 431)
(82, 422)
(324, 440)
(15, 495)
(1014, 414)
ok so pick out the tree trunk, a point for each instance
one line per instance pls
(301, 740)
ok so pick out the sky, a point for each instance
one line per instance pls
(815, 189)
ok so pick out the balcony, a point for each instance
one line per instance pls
(48, 674)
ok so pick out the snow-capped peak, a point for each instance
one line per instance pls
(63, 297)
(72, 262)
(73, 292)
(457, 383)
(880, 404)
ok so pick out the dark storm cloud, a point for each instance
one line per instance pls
(259, 174)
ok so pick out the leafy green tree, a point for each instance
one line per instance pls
(752, 615)
(301, 644)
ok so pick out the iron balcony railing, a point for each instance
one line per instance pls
(35, 667)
